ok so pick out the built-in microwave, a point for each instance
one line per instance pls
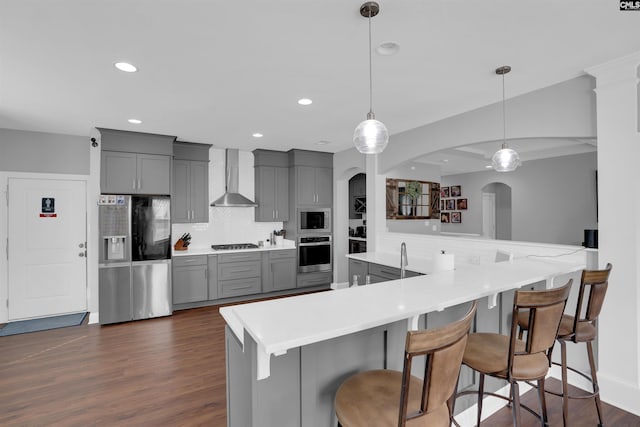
(314, 219)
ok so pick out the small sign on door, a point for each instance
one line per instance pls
(48, 208)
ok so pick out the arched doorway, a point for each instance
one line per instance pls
(496, 211)
(341, 224)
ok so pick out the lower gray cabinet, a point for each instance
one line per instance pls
(377, 273)
(239, 274)
(279, 270)
(213, 277)
(190, 279)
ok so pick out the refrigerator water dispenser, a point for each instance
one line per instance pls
(114, 247)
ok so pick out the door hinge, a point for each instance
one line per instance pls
(7, 302)
(7, 249)
(7, 196)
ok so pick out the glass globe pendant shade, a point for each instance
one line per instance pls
(371, 136)
(505, 160)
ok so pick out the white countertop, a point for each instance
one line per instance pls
(287, 244)
(282, 324)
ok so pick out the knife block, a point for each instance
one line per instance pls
(179, 246)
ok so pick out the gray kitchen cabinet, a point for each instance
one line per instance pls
(272, 193)
(239, 274)
(279, 270)
(271, 185)
(358, 268)
(212, 269)
(133, 173)
(190, 282)
(190, 191)
(314, 185)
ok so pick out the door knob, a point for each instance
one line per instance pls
(81, 254)
(81, 245)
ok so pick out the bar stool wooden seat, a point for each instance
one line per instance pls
(579, 328)
(392, 398)
(513, 360)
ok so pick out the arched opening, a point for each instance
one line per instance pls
(341, 224)
(496, 211)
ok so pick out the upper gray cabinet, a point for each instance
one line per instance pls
(190, 202)
(135, 163)
(131, 173)
(271, 185)
(313, 175)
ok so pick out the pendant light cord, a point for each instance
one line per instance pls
(370, 72)
(504, 117)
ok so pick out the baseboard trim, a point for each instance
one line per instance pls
(94, 317)
(623, 395)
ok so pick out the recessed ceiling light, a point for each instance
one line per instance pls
(135, 121)
(126, 67)
(388, 48)
(413, 168)
(445, 160)
(488, 167)
(257, 135)
(323, 142)
(305, 101)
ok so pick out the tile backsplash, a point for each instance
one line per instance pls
(226, 225)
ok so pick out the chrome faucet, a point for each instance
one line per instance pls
(403, 259)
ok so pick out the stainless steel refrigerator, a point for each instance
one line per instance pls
(135, 257)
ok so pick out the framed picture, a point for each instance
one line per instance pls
(461, 204)
(444, 192)
(456, 191)
(456, 217)
(450, 204)
(444, 217)
(442, 205)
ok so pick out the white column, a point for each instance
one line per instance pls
(619, 229)
(376, 203)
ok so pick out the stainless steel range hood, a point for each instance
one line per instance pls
(231, 197)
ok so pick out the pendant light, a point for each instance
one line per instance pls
(371, 136)
(505, 159)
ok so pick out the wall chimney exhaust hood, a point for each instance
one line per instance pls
(231, 197)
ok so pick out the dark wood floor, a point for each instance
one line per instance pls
(159, 372)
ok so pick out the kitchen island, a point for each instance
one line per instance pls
(286, 357)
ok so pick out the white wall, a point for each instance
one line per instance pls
(552, 200)
(23, 151)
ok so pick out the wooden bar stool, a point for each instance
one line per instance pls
(578, 328)
(392, 398)
(512, 359)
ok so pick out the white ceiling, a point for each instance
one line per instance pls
(218, 71)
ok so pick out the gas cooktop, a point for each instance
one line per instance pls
(234, 246)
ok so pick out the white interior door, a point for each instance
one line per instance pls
(46, 248)
(489, 215)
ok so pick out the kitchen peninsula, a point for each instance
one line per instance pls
(286, 357)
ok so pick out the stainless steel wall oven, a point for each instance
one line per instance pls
(315, 253)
